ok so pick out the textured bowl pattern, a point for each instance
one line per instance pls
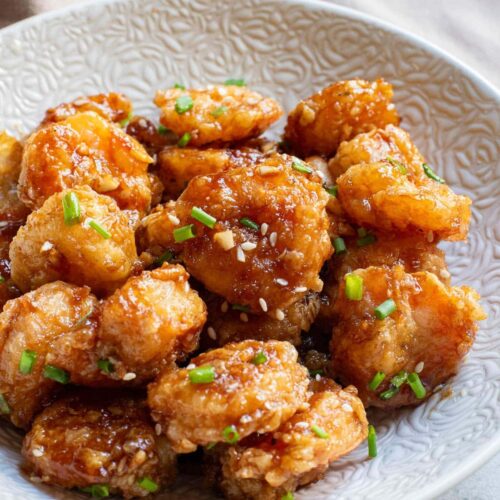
(289, 51)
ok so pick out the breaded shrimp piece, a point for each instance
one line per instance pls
(53, 326)
(382, 196)
(274, 264)
(217, 114)
(433, 327)
(8, 289)
(47, 249)
(300, 451)
(114, 107)
(246, 394)
(337, 113)
(85, 149)
(152, 320)
(380, 144)
(177, 166)
(97, 439)
(235, 326)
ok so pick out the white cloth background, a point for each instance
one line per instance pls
(469, 30)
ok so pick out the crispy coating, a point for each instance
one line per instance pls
(153, 319)
(268, 467)
(251, 397)
(58, 322)
(113, 107)
(434, 324)
(234, 326)
(177, 166)
(339, 112)
(380, 195)
(286, 261)
(85, 149)
(96, 438)
(46, 249)
(243, 113)
(147, 133)
(8, 289)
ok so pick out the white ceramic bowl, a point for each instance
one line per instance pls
(289, 50)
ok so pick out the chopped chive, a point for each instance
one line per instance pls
(332, 190)
(219, 111)
(239, 82)
(319, 432)
(245, 221)
(162, 130)
(431, 174)
(71, 209)
(416, 385)
(389, 393)
(313, 373)
(301, 167)
(123, 123)
(201, 216)
(397, 164)
(184, 233)
(2, 279)
(366, 240)
(83, 319)
(375, 382)
(399, 379)
(362, 232)
(4, 406)
(183, 104)
(209, 446)
(165, 257)
(385, 309)
(372, 442)
(287, 496)
(99, 229)
(259, 358)
(105, 366)
(230, 434)
(339, 245)
(353, 286)
(146, 483)
(184, 140)
(202, 375)
(27, 361)
(179, 86)
(240, 307)
(97, 490)
(53, 373)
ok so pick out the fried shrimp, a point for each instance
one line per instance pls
(46, 339)
(96, 249)
(85, 149)
(339, 112)
(270, 238)
(298, 453)
(382, 196)
(152, 320)
(217, 114)
(100, 443)
(229, 393)
(430, 330)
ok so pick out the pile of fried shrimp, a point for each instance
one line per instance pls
(191, 291)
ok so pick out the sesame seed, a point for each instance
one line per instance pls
(419, 367)
(267, 170)
(47, 246)
(37, 452)
(186, 286)
(263, 304)
(142, 123)
(244, 317)
(173, 219)
(282, 282)
(300, 289)
(430, 236)
(317, 377)
(444, 273)
(245, 419)
(280, 315)
(248, 245)
(273, 238)
(190, 366)
(263, 228)
(129, 376)
(211, 333)
(240, 255)
(463, 392)
(158, 429)
(347, 407)
(224, 306)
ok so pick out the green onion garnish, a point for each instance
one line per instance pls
(105, 366)
(179, 86)
(301, 167)
(431, 174)
(399, 379)
(362, 232)
(259, 358)
(332, 190)
(53, 373)
(162, 130)
(165, 257)
(184, 233)
(353, 286)
(375, 382)
(2, 279)
(202, 375)
(201, 216)
(27, 361)
(372, 442)
(416, 385)
(313, 373)
(319, 432)
(99, 229)
(183, 104)
(146, 483)
(231, 434)
(239, 82)
(4, 406)
(389, 393)
(84, 319)
(184, 140)
(287, 496)
(240, 307)
(123, 123)
(368, 239)
(97, 490)
(209, 446)
(219, 111)
(71, 209)
(397, 164)
(339, 245)
(245, 221)
(385, 309)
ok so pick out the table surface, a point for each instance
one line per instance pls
(468, 29)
